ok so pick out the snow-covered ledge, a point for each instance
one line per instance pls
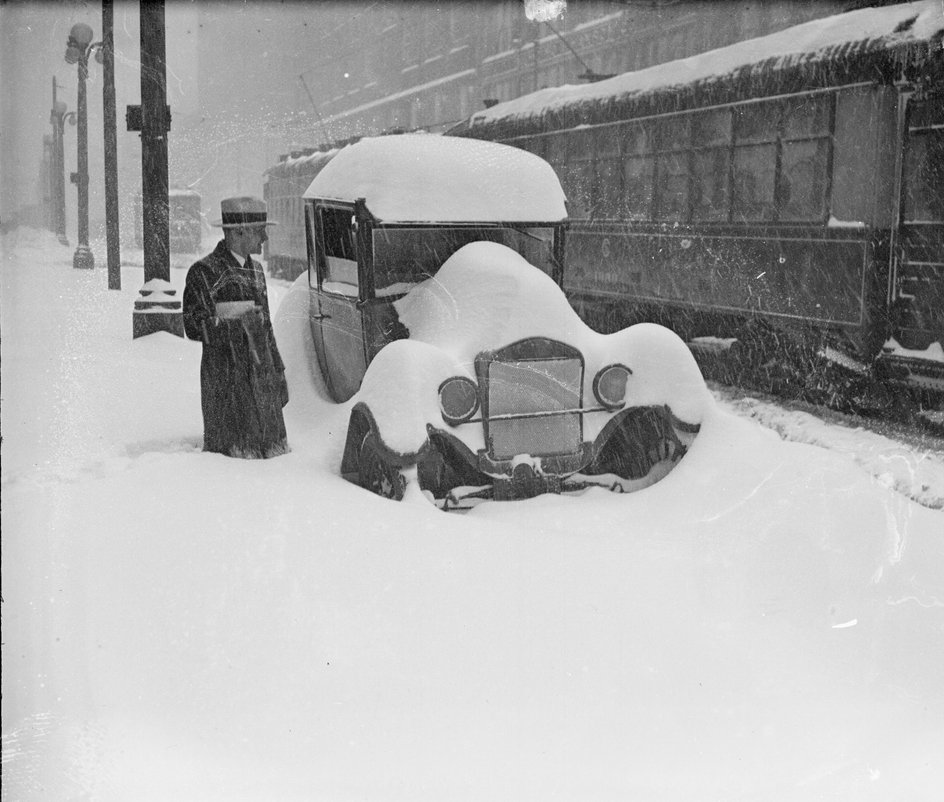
(158, 309)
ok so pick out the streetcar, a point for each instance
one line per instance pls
(285, 184)
(184, 220)
(783, 194)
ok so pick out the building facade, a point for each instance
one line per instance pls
(313, 75)
(441, 62)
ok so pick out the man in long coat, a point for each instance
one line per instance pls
(226, 307)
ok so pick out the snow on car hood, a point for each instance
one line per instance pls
(431, 178)
(487, 296)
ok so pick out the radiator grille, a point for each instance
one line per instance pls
(534, 407)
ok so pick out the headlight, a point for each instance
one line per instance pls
(609, 386)
(458, 400)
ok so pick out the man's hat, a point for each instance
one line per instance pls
(243, 211)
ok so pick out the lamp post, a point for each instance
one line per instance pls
(78, 48)
(58, 117)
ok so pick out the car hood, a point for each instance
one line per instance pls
(485, 297)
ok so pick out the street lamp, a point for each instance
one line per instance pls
(58, 116)
(78, 48)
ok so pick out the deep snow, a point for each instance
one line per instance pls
(766, 623)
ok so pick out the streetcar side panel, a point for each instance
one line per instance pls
(774, 209)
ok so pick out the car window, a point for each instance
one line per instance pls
(404, 257)
(340, 267)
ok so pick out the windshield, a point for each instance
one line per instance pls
(406, 256)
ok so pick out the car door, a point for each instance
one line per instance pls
(337, 323)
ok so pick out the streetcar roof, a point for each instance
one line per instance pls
(432, 178)
(913, 28)
(303, 163)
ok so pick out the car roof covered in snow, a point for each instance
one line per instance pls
(906, 33)
(432, 178)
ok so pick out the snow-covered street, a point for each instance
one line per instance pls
(766, 623)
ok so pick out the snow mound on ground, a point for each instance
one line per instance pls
(916, 472)
(293, 335)
(23, 238)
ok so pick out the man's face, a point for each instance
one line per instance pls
(249, 239)
(255, 236)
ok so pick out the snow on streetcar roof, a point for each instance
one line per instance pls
(866, 30)
(307, 161)
(432, 178)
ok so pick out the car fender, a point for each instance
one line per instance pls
(664, 372)
(399, 397)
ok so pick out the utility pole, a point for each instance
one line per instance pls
(111, 147)
(154, 127)
(158, 308)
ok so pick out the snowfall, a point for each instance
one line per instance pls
(765, 623)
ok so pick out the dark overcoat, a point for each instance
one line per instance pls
(242, 377)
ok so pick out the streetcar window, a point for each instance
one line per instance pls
(637, 180)
(711, 136)
(607, 179)
(755, 161)
(671, 194)
(805, 116)
(801, 193)
(671, 189)
(606, 143)
(635, 139)
(606, 198)
(572, 160)
(756, 122)
(557, 149)
(578, 181)
(579, 146)
(861, 184)
(710, 184)
(802, 190)
(924, 176)
(753, 191)
(673, 133)
(711, 128)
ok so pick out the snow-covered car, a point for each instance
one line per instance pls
(385, 212)
(500, 391)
